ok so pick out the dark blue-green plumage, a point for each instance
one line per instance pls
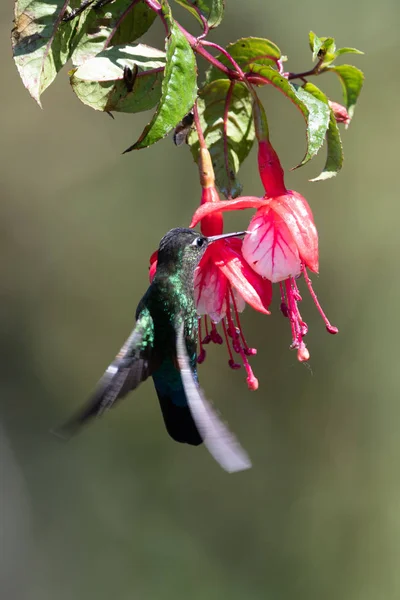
(163, 345)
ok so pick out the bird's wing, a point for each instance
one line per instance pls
(131, 366)
(220, 442)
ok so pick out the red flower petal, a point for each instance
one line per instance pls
(296, 213)
(238, 204)
(210, 288)
(269, 246)
(255, 290)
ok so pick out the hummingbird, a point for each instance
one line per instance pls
(163, 345)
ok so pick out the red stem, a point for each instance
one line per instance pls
(225, 129)
(227, 55)
(195, 43)
(118, 23)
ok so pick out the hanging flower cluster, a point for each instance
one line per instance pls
(281, 243)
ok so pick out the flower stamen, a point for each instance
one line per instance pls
(207, 339)
(247, 350)
(329, 327)
(234, 338)
(290, 296)
(202, 354)
(233, 365)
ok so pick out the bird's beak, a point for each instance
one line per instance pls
(223, 236)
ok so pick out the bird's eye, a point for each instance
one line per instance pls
(199, 241)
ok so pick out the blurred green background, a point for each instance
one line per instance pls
(121, 511)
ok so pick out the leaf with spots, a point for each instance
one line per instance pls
(334, 158)
(315, 112)
(225, 111)
(100, 82)
(179, 86)
(121, 22)
(40, 42)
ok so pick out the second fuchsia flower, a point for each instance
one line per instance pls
(224, 283)
(282, 240)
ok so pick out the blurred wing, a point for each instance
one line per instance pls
(131, 366)
(220, 442)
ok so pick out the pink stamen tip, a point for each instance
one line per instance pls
(233, 365)
(332, 329)
(250, 351)
(201, 357)
(206, 339)
(303, 354)
(252, 383)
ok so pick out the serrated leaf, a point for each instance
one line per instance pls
(40, 43)
(212, 104)
(334, 157)
(179, 86)
(314, 111)
(118, 23)
(348, 51)
(212, 10)
(247, 51)
(352, 80)
(99, 82)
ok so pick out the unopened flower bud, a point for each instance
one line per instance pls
(340, 112)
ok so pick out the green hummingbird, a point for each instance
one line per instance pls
(163, 345)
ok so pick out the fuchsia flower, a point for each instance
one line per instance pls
(224, 282)
(282, 240)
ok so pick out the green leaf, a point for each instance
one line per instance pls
(334, 158)
(323, 48)
(97, 30)
(212, 10)
(179, 86)
(348, 51)
(315, 44)
(247, 51)
(40, 43)
(100, 84)
(327, 52)
(213, 102)
(352, 80)
(314, 111)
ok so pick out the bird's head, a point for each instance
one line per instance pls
(183, 248)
